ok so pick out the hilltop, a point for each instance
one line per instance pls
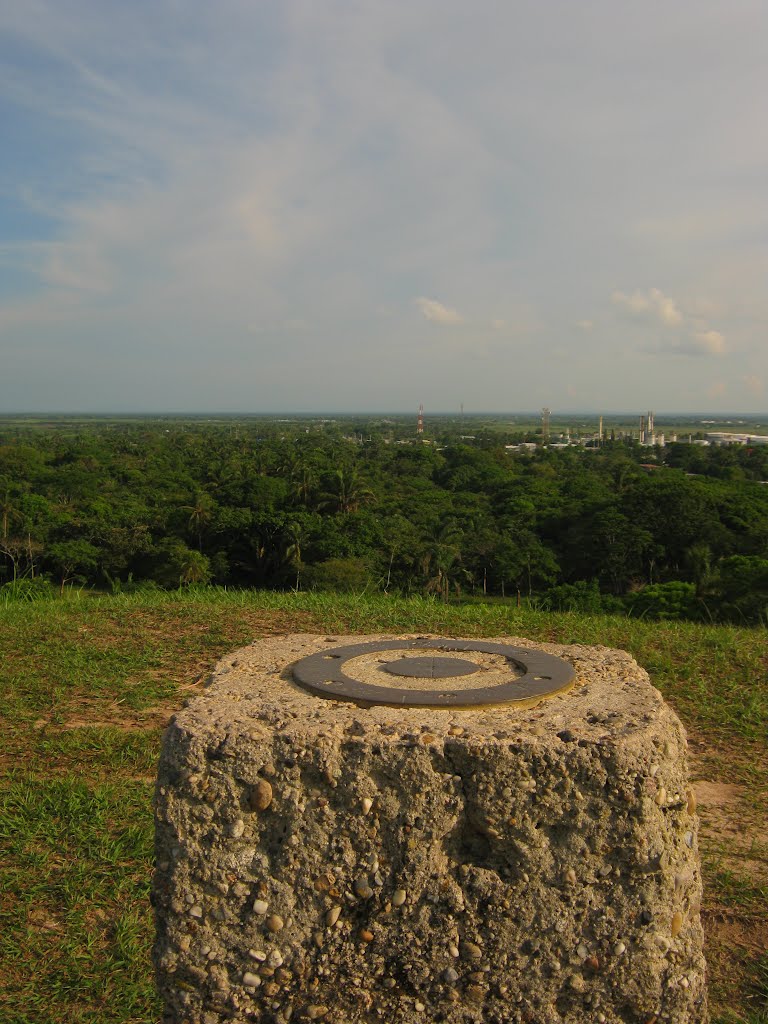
(90, 682)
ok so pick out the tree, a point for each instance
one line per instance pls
(194, 568)
(181, 566)
(72, 560)
(608, 547)
(346, 491)
(522, 560)
(673, 600)
(201, 512)
(9, 510)
(295, 535)
(442, 562)
(741, 588)
(676, 512)
(581, 596)
(304, 478)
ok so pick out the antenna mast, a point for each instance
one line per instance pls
(545, 413)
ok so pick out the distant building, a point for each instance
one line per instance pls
(721, 437)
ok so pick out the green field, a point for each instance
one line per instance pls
(87, 684)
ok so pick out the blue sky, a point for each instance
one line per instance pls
(352, 204)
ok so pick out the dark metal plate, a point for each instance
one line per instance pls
(544, 675)
(430, 668)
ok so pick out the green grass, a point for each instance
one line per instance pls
(86, 683)
(75, 916)
(737, 891)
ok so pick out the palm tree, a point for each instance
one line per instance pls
(347, 492)
(303, 481)
(441, 561)
(194, 567)
(296, 534)
(201, 514)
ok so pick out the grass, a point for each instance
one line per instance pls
(87, 684)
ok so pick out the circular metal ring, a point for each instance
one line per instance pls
(544, 675)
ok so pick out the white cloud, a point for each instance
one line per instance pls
(682, 334)
(653, 304)
(585, 325)
(665, 308)
(438, 313)
(711, 342)
(498, 325)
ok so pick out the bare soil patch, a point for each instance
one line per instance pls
(733, 824)
(186, 664)
(733, 841)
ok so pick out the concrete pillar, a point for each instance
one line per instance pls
(319, 860)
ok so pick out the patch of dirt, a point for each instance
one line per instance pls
(727, 759)
(189, 675)
(732, 948)
(41, 920)
(733, 832)
(99, 714)
(733, 842)
(717, 795)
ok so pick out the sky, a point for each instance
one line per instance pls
(270, 205)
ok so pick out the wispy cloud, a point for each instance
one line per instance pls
(435, 311)
(211, 178)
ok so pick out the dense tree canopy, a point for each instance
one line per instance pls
(257, 504)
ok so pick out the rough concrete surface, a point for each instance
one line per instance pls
(322, 861)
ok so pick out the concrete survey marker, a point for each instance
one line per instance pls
(323, 855)
(527, 675)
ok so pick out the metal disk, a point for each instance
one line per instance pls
(544, 675)
(430, 668)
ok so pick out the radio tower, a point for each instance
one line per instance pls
(545, 426)
(420, 421)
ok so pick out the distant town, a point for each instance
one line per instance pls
(514, 431)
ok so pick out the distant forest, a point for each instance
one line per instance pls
(675, 532)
